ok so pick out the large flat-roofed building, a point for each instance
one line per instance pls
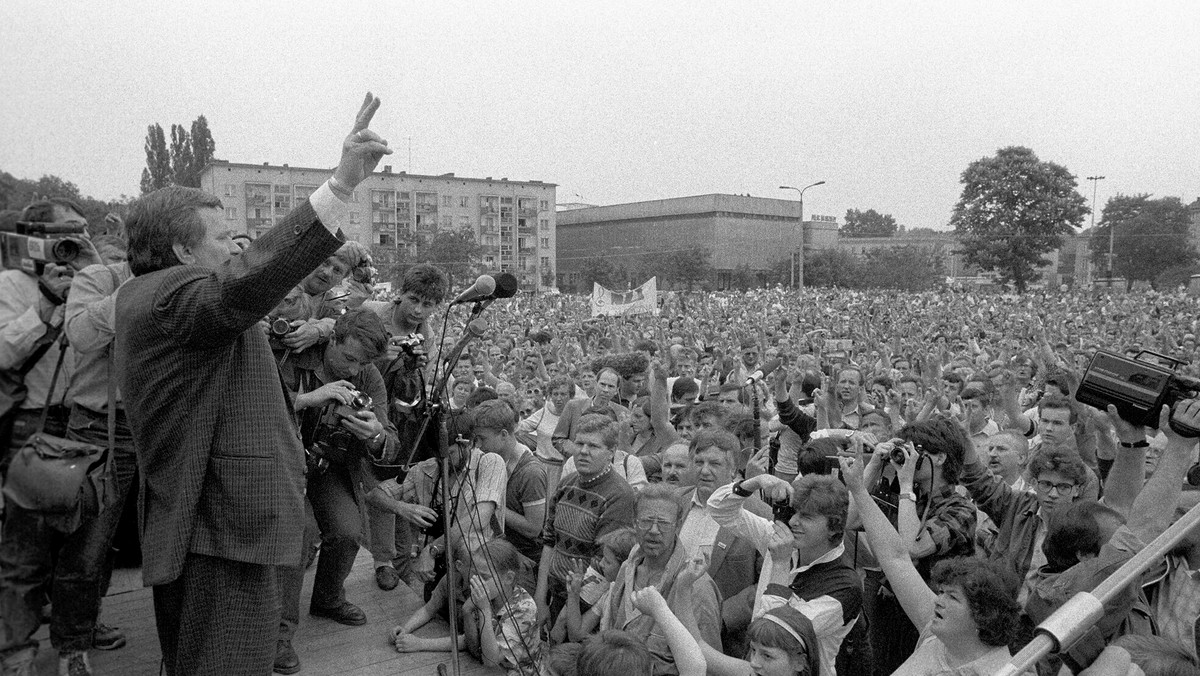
(514, 221)
(740, 231)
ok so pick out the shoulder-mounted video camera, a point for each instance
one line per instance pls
(1138, 388)
(28, 246)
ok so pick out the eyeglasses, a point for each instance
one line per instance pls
(650, 524)
(1049, 486)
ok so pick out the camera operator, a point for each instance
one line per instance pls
(31, 315)
(342, 406)
(222, 465)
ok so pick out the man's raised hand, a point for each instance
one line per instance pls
(362, 149)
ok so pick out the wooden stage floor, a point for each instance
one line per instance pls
(325, 647)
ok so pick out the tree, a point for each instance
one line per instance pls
(454, 251)
(691, 266)
(1150, 236)
(906, 268)
(597, 270)
(1014, 209)
(181, 163)
(157, 173)
(203, 148)
(181, 158)
(16, 193)
(832, 267)
(869, 223)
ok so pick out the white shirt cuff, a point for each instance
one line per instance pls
(331, 210)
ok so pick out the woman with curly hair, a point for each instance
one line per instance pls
(967, 623)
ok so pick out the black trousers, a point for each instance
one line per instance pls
(220, 617)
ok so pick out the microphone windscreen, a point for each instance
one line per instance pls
(506, 286)
(486, 285)
(477, 327)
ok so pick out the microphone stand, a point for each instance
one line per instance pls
(1067, 624)
(435, 410)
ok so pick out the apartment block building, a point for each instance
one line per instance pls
(514, 221)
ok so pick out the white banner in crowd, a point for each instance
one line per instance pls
(642, 300)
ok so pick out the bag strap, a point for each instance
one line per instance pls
(44, 344)
(62, 354)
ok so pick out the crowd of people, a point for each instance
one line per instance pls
(767, 482)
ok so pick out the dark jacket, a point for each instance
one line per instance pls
(222, 467)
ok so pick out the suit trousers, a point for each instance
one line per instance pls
(219, 617)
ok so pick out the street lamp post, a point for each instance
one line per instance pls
(1111, 227)
(798, 253)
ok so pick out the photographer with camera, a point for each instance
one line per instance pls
(323, 299)
(342, 406)
(825, 589)
(422, 289)
(33, 294)
(223, 468)
(932, 517)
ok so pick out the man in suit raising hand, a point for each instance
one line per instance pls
(222, 465)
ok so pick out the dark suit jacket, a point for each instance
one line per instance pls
(734, 564)
(222, 466)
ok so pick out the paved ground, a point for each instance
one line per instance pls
(325, 647)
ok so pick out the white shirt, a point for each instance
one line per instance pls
(699, 528)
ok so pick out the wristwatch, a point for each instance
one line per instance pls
(738, 490)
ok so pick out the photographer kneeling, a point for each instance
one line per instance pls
(342, 410)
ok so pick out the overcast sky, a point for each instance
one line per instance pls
(621, 101)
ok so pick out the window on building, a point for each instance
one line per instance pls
(385, 239)
(545, 263)
(544, 242)
(464, 201)
(229, 188)
(544, 205)
(506, 200)
(231, 213)
(447, 200)
(544, 224)
(447, 222)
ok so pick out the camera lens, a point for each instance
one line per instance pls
(65, 250)
(281, 327)
(361, 401)
(897, 455)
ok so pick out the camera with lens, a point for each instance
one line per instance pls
(28, 246)
(360, 402)
(332, 443)
(782, 510)
(1138, 388)
(896, 455)
(408, 344)
(281, 326)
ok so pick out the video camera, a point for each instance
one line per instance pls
(1137, 388)
(29, 246)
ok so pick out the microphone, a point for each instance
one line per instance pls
(506, 286)
(481, 289)
(763, 372)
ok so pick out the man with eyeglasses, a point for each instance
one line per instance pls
(656, 561)
(1022, 516)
